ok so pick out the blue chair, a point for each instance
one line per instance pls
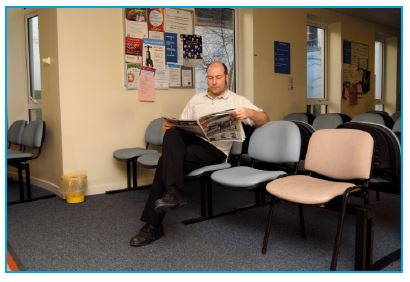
(15, 132)
(305, 117)
(276, 142)
(329, 120)
(153, 136)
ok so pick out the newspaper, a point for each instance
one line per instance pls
(219, 126)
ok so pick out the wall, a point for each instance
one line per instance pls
(98, 115)
(16, 67)
(271, 89)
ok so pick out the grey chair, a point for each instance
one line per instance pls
(305, 117)
(32, 140)
(276, 142)
(15, 132)
(396, 115)
(329, 120)
(153, 137)
(202, 175)
(341, 161)
(397, 128)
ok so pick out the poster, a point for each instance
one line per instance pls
(161, 79)
(136, 29)
(174, 72)
(132, 75)
(146, 92)
(192, 50)
(156, 23)
(282, 57)
(178, 21)
(136, 14)
(133, 50)
(187, 77)
(171, 47)
(154, 53)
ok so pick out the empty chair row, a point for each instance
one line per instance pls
(29, 137)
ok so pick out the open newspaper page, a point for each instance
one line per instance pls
(222, 126)
(191, 126)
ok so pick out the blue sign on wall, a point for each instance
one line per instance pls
(282, 57)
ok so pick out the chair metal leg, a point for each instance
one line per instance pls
(268, 227)
(336, 246)
(209, 197)
(28, 183)
(21, 184)
(134, 174)
(302, 222)
(203, 197)
(129, 174)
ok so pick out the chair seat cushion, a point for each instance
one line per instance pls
(208, 168)
(149, 160)
(17, 155)
(305, 189)
(131, 153)
(244, 177)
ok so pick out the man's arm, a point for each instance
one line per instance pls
(259, 118)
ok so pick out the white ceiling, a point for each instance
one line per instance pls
(390, 17)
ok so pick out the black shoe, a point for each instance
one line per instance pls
(147, 234)
(168, 202)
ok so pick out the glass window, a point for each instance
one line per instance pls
(378, 75)
(217, 28)
(315, 62)
(33, 66)
(34, 57)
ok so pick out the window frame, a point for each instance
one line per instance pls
(379, 103)
(33, 104)
(311, 103)
(235, 48)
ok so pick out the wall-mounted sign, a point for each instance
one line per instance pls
(282, 57)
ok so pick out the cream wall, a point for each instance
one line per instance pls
(98, 115)
(16, 67)
(89, 113)
(289, 25)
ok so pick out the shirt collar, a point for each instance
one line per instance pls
(223, 96)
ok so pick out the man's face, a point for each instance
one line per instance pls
(217, 80)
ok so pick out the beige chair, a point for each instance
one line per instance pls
(341, 160)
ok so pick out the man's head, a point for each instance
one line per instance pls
(217, 76)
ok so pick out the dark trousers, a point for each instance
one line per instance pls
(181, 154)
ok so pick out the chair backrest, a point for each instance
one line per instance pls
(305, 117)
(397, 128)
(33, 135)
(340, 153)
(387, 155)
(154, 134)
(395, 115)
(369, 117)
(306, 131)
(329, 120)
(15, 132)
(397, 125)
(276, 142)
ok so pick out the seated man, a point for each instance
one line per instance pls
(183, 153)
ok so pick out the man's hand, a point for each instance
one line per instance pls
(258, 118)
(166, 126)
(243, 113)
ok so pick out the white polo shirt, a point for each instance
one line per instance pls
(203, 104)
